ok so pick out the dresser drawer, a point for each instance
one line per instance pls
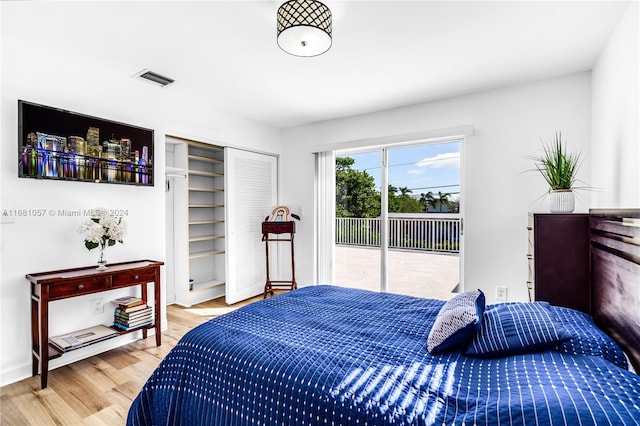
(78, 287)
(139, 276)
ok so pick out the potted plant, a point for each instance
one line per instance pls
(559, 169)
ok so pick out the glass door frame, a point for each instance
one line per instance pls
(384, 200)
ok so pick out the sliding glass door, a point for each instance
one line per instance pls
(398, 225)
(424, 219)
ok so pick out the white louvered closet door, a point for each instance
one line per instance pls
(251, 191)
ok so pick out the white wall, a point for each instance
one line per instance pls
(498, 193)
(34, 244)
(615, 167)
(508, 126)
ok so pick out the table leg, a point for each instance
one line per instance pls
(294, 285)
(156, 289)
(143, 296)
(44, 336)
(267, 284)
(35, 332)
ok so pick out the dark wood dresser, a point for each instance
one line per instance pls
(559, 259)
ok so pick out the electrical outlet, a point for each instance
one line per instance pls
(501, 293)
(97, 307)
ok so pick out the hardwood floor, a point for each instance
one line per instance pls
(100, 389)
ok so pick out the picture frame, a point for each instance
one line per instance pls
(280, 214)
(57, 144)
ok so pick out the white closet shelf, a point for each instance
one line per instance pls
(205, 254)
(207, 159)
(205, 238)
(206, 285)
(206, 206)
(205, 222)
(206, 189)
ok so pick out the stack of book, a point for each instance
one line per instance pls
(131, 313)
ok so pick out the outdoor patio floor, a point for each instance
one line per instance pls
(416, 273)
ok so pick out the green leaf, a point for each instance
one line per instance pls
(89, 245)
(557, 167)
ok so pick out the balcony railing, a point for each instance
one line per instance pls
(426, 232)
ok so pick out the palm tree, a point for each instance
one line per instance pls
(428, 200)
(404, 191)
(443, 199)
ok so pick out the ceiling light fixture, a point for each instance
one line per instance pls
(304, 27)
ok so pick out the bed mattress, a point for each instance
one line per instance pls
(339, 356)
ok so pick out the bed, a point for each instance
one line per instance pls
(339, 356)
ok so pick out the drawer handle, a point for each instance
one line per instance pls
(135, 277)
(80, 286)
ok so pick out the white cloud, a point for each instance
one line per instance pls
(415, 171)
(448, 160)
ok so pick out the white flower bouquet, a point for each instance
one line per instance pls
(102, 230)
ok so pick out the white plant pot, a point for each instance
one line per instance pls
(562, 201)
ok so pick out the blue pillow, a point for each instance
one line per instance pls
(587, 338)
(456, 322)
(516, 328)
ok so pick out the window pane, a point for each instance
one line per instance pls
(424, 200)
(358, 220)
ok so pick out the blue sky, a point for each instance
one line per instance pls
(432, 167)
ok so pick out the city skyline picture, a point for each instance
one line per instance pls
(64, 145)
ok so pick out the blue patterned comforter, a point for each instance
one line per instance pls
(337, 356)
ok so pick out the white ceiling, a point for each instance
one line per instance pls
(385, 54)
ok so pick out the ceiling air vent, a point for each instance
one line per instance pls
(155, 77)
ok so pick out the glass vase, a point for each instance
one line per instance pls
(102, 262)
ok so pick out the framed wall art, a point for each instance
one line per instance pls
(54, 143)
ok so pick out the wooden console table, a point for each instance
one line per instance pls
(57, 285)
